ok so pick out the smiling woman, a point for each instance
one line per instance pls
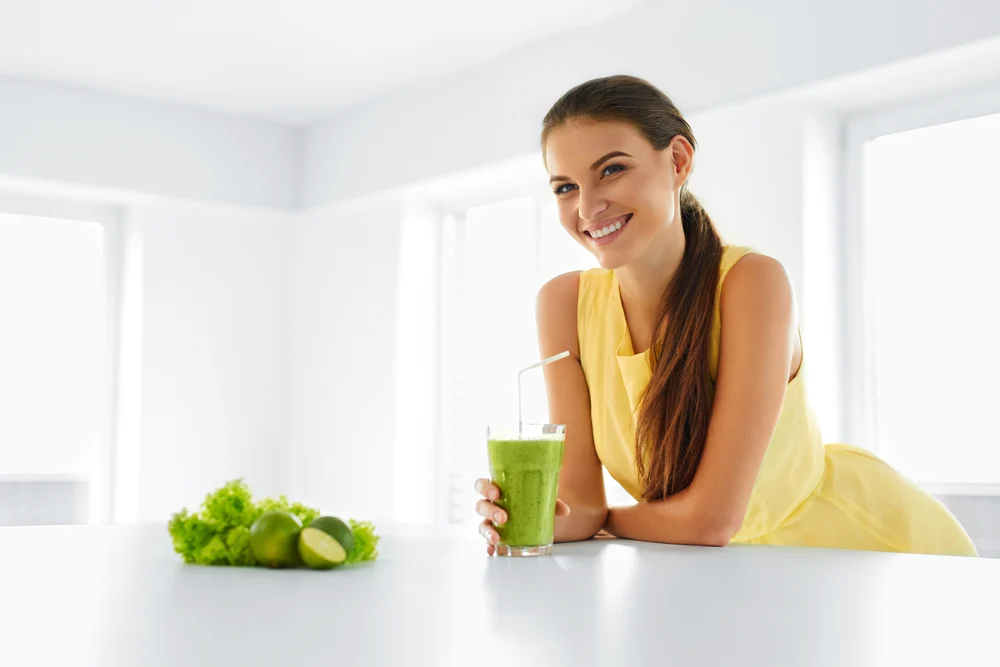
(687, 375)
(658, 155)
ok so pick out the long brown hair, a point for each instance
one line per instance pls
(675, 409)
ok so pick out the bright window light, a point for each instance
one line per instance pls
(52, 342)
(932, 216)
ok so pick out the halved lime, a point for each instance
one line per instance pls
(336, 529)
(319, 550)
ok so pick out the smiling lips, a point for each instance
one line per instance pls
(609, 231)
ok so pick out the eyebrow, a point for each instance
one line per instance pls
(596, 164)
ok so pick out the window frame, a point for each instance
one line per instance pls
(102, 492)
(859, 324)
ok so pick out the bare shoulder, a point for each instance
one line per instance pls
(758, 304)
(757, 277)
(556, 310)
(564, 287)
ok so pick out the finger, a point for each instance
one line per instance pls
(562, 509)
(486, 489)
(488, 510)
(490, 549)
(489, 533)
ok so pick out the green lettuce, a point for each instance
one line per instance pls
(219, 534)
(365, 543)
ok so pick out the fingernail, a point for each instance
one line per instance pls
(498, 517)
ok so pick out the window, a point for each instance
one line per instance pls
(53, 370)
(931, 213)
(494, 258)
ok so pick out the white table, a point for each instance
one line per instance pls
(117, 596)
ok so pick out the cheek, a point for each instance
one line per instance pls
(654, 198)
(660, 208)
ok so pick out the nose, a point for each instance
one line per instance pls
(591, 205)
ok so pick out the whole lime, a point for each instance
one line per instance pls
(274, 539)
(336, 529)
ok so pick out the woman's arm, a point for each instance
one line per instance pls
(759, 344)
(581, 480)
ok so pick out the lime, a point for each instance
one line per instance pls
(274, 538)
(320, 551)
(336, 529)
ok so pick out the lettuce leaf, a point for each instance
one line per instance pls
(365, 543)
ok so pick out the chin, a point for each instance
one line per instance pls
(612, 260)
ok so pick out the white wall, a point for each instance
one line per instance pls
(67, 135)
(340, 359)
(211, 399)
(703, 54)
(748, 175)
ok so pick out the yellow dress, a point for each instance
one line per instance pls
(806, 494)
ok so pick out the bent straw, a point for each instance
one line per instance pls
(520, 407)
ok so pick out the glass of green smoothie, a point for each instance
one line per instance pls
(524, 463)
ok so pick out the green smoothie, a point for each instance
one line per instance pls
(527, 473)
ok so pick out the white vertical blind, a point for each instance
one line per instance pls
(932, 211)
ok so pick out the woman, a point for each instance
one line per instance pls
(687, 376)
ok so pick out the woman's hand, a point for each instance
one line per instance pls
(496, 516)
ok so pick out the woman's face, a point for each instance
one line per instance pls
(617, 194)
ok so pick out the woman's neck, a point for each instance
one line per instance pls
(643, 281)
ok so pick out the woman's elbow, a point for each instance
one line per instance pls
(716, 538)
(718, 529)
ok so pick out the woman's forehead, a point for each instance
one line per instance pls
(581, 142)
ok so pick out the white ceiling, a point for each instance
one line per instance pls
(294, 61)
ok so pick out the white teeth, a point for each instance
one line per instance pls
(610, 229)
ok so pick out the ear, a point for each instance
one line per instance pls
(682, 157)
